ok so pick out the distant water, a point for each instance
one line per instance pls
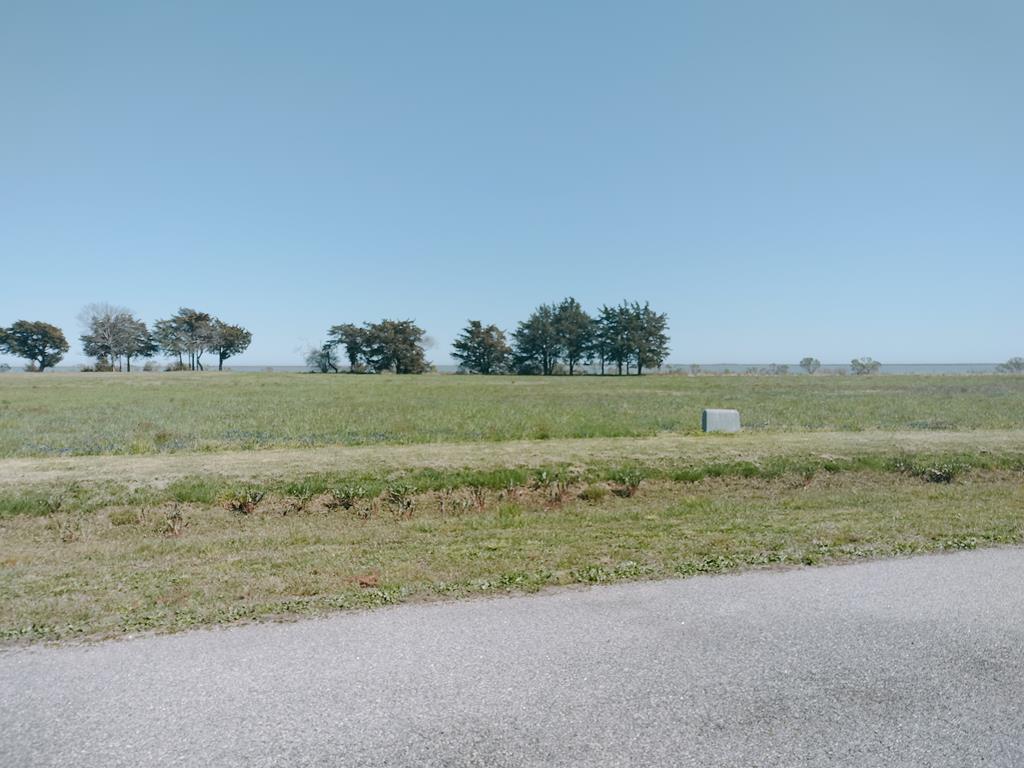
(845, 368)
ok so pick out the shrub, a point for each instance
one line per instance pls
(345, 496)
(174, 523)
(399, 496)
(244, 501)
(628, 481)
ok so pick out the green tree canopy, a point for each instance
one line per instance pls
(864, 366)
(390, 345)
(538, 345)
(187, 332)
(397, 346)
(228, 340)
(612, 338)
(482, 349)
(575, 332)
(648, 336)
(355, 341)
(40, 343)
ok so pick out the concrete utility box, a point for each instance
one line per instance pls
(720, 420)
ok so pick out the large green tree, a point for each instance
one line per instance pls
(482, 349)
(390, 345)
(575, 331)
(40, 343)
(170, 338)
(631, 334)
(648, 336)
(355, 341)
(228, 340)
(396, 346)
(188, 332)
(612, 338)
(538, 345)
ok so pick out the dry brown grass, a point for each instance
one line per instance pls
(276, 464)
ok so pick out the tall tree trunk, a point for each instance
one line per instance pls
(128, 360)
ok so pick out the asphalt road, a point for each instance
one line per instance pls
(916, 662)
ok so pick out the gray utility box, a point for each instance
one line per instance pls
(720, 420)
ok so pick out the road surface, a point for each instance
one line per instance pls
(914, 662)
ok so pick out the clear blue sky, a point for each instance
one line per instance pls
(783, 178)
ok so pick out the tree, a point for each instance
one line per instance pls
(810, 364)
(355, 341)
(390, 345)
(103, 333)
(323, 358)
(647, 335)
(482, 349)
(397, 346)
(1013, 365)
(611, 341)
(537, 342)
(113, 333)
(169, 337)
(864, 366)
(574, 330)
(228, 340)
(135, 340)
(187, 332)
(42, 344)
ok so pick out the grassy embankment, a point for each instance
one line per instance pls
(101, 545)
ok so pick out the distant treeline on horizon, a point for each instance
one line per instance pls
(557, 338)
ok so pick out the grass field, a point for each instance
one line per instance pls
(138, 503)
(76, 414)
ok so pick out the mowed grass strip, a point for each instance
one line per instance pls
(62, 414)
(980, 448)
(90, 484)
(133, 569)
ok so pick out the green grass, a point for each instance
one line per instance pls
(128, 569)
(437, 503)
(212, 489)
(79, 414)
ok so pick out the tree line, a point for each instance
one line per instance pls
(555, 338)
(114, 337)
